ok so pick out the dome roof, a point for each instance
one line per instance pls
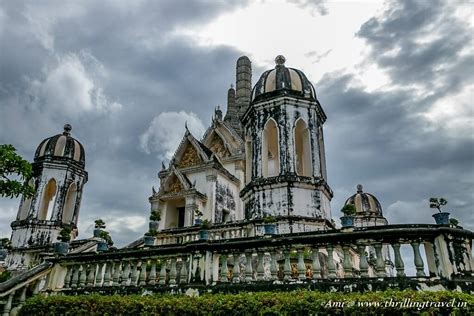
(61, 145)
(283, 81)
(365, 203)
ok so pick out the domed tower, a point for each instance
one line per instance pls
(285, 159)
(59, 176)
(368, 209)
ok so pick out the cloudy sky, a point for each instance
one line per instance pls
(395, 79)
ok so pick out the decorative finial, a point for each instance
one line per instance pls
(280, 60)
(163, 167)
(153, 190)
(186, 126)
(359, 188)
(232, 86)
(67, 129)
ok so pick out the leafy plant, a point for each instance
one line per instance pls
(198, 213)
(268, 219)
(206, 224)
(5, 275)
(12, 167)
(105, 235)
(65, 234)
(99, 223)
(453, 222)
(437, 203)
(5, 243)
(155, 216)
(349, 210)
(151, 232)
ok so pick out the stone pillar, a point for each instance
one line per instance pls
(152, 275)
(142, 277)
(273, 266)
(347, 263)
(363, 264)
(236, 270)
(260, 268)
(418, 260)
(248, 267)
(431, 259)
(173, 272)
(184, 274)
(301, 266)
(331, 264)
(399, 266)
(287, 265)
(316, 264)
(117, 271)
(8, 305)
(380, 264)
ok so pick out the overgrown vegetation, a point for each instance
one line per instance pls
(15, 172)
(260, 303)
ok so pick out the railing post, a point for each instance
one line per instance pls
(83, 277)
(142, 278)
(134, 273)
(162, 272)
(67, 278)
(224, 269)
(8, 305)
(287, 265)
(380, 264)
(301, 265)
(248, 267)
(152, 275)
(331, 264)
(91, 275)
(108, 273)
(399, 265)
(418, 260)
(22, 298)
(273, 266)
(363, 263)
(173, 271)
(117, 272)
(260, 267)
(183, 274)
(125, 272)
(98, 275)
(316, 266)
(236, 269)
(347, 263)
(75, 276)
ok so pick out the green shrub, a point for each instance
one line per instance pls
(247, 303)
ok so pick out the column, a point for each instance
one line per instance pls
(67, 278)
(162, 272)
(287, 265)
(83, 277)
(142, 277)
(75, 276)
(273, 266)
(152, 275)
(173, 271)
(117, 272)
(183, 275)
(126, 273)
(108, 273)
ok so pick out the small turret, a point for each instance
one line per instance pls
(244, 83)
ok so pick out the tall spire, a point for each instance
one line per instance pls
(243, 84)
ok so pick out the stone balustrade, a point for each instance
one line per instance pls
(350, 259)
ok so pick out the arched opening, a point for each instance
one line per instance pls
(322, 152)
(70, 203)
(25, 204)
(248, 160)
(47, 204)
(270, 150)
(302, 149)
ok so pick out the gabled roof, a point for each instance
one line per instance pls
(202, 152)
(230, 138)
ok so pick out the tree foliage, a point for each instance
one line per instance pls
(15, 172)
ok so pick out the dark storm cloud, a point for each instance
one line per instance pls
(393, 149)
(124, 55)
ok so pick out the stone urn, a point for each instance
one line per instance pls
(97, 232)
(270, 229)
(347, 221)
(153, 225)
(441, 218)
(61, 247)
(204, 234)
(149, 240)
(102, 246)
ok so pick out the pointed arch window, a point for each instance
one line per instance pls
(25, 204)
(47, 204)
(70, 203)
(248, 159)
(270, 150)
(302, 149)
